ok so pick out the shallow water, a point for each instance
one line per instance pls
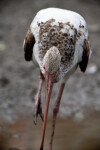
(69, 134)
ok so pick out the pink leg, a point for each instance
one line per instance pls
(55, 111)
(37, 100)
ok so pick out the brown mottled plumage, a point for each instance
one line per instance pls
(52, 35)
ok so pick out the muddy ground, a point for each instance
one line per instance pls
(19, 79)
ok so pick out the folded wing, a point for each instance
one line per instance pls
(28, 45)
(85, 56)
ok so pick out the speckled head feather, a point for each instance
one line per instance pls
(52, 60)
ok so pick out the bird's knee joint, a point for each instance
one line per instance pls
(55, 110)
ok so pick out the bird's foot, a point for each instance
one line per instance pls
(38, 109)
(36, 113)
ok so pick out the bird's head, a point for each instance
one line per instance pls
(52, 60)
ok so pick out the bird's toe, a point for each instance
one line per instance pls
(35, 118)
(37, 112)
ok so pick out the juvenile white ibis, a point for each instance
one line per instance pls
(58, 40)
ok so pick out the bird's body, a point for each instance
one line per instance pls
(58, 40)
(63, 29)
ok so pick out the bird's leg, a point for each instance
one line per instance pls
(37, 100)
(55, 111)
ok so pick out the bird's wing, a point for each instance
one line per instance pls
(28, 45)
(85, 56)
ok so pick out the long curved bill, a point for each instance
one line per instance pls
(49, 81)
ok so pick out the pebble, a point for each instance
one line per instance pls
(91, 69)
(2, 46)
(79, 116)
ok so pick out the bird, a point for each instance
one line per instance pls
(57, 40)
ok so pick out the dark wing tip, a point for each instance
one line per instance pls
(85, 56)
(28, 45)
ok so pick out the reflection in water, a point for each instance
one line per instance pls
(69, 134)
